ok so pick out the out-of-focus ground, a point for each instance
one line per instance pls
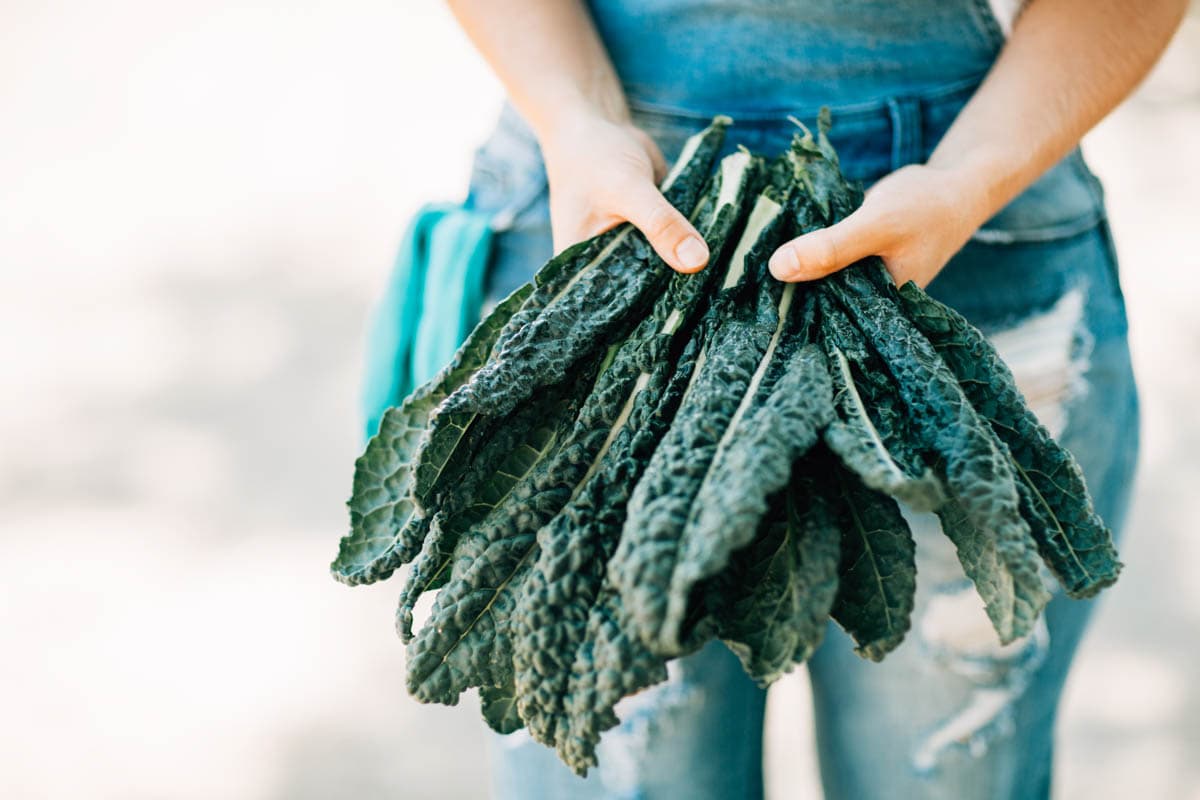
(198, 203)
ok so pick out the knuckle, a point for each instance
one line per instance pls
(793, 252)
(825, 251)
(663, 222)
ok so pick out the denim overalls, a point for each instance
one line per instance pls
(950, 714)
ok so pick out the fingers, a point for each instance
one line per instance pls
(668, 231)
(817, 254)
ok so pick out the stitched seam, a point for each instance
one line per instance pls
(868, 110)
(1045, 233)
(988, 25)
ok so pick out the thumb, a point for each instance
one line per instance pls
(668, 231)
(821, 252)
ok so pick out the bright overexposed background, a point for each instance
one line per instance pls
(199, 200)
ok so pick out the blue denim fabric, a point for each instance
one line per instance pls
(737, 56)
(950, 714)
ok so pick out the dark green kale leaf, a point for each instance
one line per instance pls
(445, 448)
(496, 478)
(878, 572)
(463, 642)
(612, 663)
(753, 459)
(817, 537)
(589, 301)
(460, 647)
(1071, 537)
(552, 617)
(947, 430)
(976, 473)
(774, 599)
(499, 707)
(661, 504)
(870, 434)
(569, 643)
(385, 528)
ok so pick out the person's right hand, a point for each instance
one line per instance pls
(603, 173)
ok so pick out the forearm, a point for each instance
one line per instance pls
(1067, 64)
(548, 56)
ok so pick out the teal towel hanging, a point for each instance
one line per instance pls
(459, 248)
(431, 302)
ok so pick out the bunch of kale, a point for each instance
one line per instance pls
(622, 463)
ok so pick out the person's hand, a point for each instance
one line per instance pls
(915, 219)
(603, 173)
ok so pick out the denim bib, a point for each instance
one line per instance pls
(733, 56)
(895, 75)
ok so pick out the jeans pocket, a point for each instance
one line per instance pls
(1066, 201)
(997, 282)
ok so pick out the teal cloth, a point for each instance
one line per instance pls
(431, 302)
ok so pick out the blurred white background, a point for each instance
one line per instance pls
(198, 202)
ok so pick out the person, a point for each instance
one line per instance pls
(962, 117)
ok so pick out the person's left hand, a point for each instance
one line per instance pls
(915, 219)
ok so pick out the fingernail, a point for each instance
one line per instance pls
(783, 264)
(692, 253)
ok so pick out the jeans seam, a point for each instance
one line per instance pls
(905, 114)
(852, 112)
(1045, 233)
(1112, 263)
(989, 26)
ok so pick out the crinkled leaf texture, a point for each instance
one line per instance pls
(573, 662)
(733, 362)
(753, 461)
(496, 478)
(878, 573)
(469, 639)
(970, 460)
(511, 449)
(976, 473)
(864, 445)
(586, 661)
(552, 617)
(594, 294)
(466, 640)
(774, 599)
(385, 529)
(446, 448)
(1074, 541)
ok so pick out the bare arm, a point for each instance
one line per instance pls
(1067, 65)
(602, 170)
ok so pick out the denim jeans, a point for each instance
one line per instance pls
(951, 713)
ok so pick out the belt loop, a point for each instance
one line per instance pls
(905, 113)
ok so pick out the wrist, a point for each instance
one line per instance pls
(563, 113)
(975, 186)
(984, 179)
